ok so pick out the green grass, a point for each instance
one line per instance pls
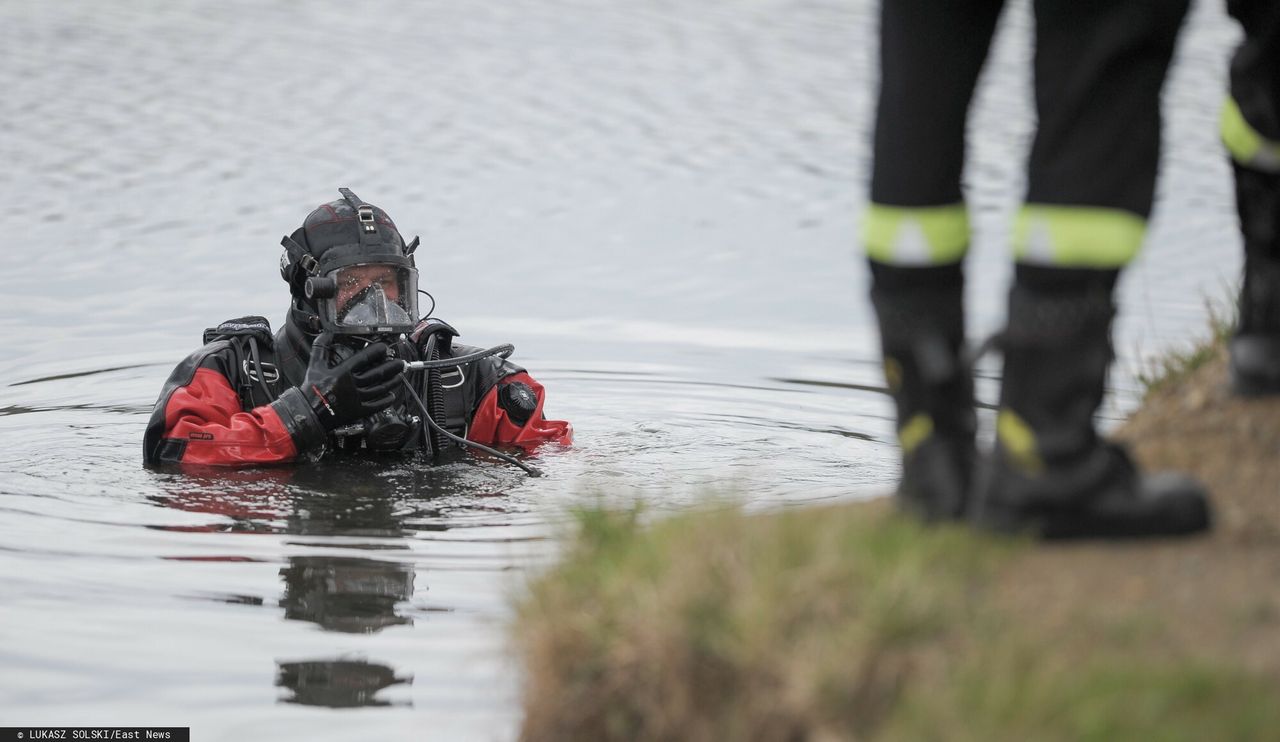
(1028, 693)
(1179, 363)
(835, 623)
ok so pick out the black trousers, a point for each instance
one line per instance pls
(1099, 68)
(1255, 68)
(1251, 132)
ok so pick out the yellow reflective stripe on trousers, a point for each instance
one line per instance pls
(1245, 144)
(1077, 236)
(899, 235)
(916, 431)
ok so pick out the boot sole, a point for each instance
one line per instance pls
(1253, 386)
(1068, 524)
(1254, 361)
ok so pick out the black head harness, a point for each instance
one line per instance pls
(338, 246)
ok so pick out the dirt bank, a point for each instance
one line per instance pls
(1214, 596)
(852, 623)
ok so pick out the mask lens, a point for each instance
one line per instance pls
(374, 296)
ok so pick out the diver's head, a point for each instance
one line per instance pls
(350, 272)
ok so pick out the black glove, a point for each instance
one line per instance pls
(350, 390)
(336, 394)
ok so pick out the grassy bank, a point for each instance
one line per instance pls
(1175, 366)
(852, 623)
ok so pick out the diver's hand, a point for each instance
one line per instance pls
(334, 394)
(350, 390)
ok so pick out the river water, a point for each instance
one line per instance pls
(657, 202)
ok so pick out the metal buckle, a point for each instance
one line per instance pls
(310, 264)
(270, 373)
(462, 378)
(365, 215)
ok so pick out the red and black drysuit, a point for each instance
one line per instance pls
(222, 405)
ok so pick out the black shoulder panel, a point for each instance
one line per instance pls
(213, 355)
(252, 325)
(443, 331)
(474, 380)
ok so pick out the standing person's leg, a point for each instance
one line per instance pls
(916, 233)
(1251, 131)
(1100, 65)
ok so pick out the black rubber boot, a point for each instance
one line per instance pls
(1255, 348)
(1051, 474)
(921, 318)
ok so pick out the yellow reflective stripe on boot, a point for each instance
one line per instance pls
(1018, 441)
(1245, 144)
(893, 374)
(1077, 236)
(916, 431)
(899, 235)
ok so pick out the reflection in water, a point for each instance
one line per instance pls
(346, 594)
(251, 499)
(337, 683)
(354, 595)
(374, 498)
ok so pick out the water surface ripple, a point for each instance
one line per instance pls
(656, 201)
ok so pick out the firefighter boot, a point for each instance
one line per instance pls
(1050, 473)
(1255, 348)
(920, 313)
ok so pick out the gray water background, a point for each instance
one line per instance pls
(656, 201)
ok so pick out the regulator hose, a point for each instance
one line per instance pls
(531, 471)
(432, 365)
(502, 351)
(434, 391)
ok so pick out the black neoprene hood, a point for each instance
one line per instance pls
(341, 232)
(331, 246)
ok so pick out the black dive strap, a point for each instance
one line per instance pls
(365, 218)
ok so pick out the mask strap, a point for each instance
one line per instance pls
(365, 220)
(295, 255)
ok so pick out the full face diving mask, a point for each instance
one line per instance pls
(377, 297)
(367, 284)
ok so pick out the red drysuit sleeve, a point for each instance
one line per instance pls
(491, 426)
(206, 414)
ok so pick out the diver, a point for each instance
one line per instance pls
(354, 370)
